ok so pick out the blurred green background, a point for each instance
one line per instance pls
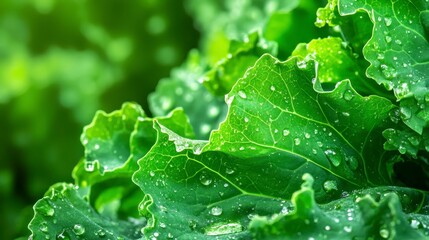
(60, 61)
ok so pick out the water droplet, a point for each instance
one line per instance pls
(286, 132)
(394, 115)
(352, 162)
(205, 179)
(89, 166)
(162, 225)
(45, 209)
(405, 113)
(301, 64)
(348, 95)
(246, 119)
(100, 233)
(397, 41)
(43, 227)
(348, 229)
(388, 72)
(388, 38)
(327, 228)
(330, 186)
(297, 141)
(96, 147)
(384, 233)
(223, 228)
(242, 94)
(415, 224)
(170, 236)
(152, 173)
(216, 211)
(402, 91)
(388, 21)
(307, 135)
(333, 157)
(273, 88)
(229, 99)
(229, 171)
(78, 229)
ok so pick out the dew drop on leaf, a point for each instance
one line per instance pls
(229, 171)
(405, 113)
(394, 115)
(89, 166)
(242, 94)
(348, 95)
(78, 229)
(415, 224)
(43, 227)
(297, 141)
(384, 233)
(387, 21)
(330, 186)
(301, 64)
(352, 162)
(347, 229)
(333, 157)
(100, 233)
(216, 211)
(45, 209)
(286, 132)
(205, 179)
(223, 228)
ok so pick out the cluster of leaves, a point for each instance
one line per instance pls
(345, 113)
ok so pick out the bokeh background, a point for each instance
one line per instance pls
(60, 62)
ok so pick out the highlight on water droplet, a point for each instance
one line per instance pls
(348, 95)
(205, 179)
(297, 141)
(242, 94)
(330, 186)
(384, 233)
(333, 157)
(78, 229)
(286, 132)
(216, 211)
(223, 228)
(352, 162)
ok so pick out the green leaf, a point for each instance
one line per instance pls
(367, 214)
(65, 213)
(318, 130)
(192, 194)
(183, 90)
(302, 131)
(241, 55)
(398, 52)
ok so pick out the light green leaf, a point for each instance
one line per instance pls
(335, 134)
(367, 214)
(301, 131)
(337, 62)
(183, 90)
(65, 213)
(398, 52)
(241, 55)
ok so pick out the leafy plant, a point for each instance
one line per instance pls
(331, 143)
